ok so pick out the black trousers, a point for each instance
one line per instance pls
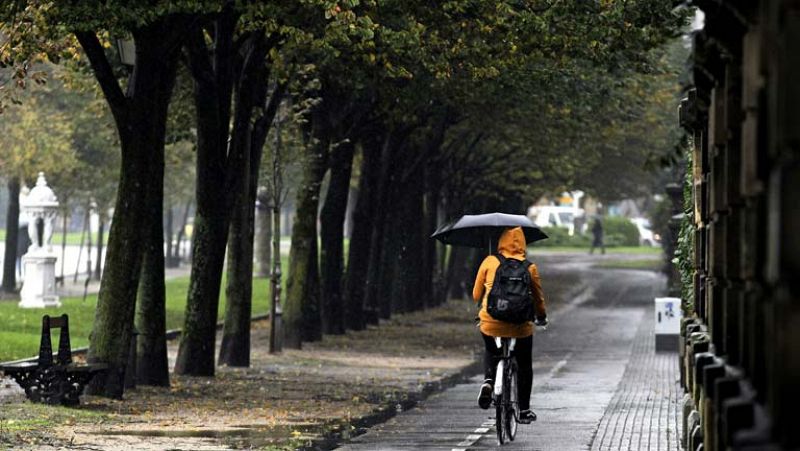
(523, 352)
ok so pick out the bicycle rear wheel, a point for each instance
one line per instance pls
(512, 407)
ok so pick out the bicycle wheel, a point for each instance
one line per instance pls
(512, 407)
(499, 417)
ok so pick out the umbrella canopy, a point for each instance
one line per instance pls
(483, 230)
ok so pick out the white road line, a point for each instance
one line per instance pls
(481, 430)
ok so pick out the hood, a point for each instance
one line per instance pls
(512, 243)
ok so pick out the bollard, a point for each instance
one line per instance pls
(700, 361)
(688, 406)
(711, 373)
(726, 388)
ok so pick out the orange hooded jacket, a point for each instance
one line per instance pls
(512, 245)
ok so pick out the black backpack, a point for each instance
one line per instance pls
(510, 299)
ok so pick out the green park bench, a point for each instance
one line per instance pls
(48, 381)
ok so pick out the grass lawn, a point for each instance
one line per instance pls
(73, 238)
(609, 250)
(20, 329)
(645, 264)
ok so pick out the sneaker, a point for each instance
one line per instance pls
(527, 416)
(485, 397)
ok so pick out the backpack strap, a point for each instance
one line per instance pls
(500, 257)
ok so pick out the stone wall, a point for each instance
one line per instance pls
(741, 356)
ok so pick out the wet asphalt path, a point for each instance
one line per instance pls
(578, 366)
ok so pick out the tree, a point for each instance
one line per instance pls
(35, 136)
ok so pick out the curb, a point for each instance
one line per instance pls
(341, 434)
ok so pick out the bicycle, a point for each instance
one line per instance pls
(505, 394)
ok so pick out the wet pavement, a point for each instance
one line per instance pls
(598, 384)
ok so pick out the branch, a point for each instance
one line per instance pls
(102, 70)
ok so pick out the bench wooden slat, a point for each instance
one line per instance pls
(19, 366)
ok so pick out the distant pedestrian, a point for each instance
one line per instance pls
(597, 236)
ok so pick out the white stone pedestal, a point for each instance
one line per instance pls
(39, 286)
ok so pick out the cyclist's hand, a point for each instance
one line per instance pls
(541, 321)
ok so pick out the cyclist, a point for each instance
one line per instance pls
(511, 246)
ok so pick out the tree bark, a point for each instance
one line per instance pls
(357, 280)
(332, 238)
(140, 116)
(12, 237)
(213, 91)
(151, 322)
(301, 315)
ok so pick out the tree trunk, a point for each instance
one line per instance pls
(301, 315)
(98, 266)
(332, 238)
(64, 220)
(213, 88)
(89, 268)
(151, 321)
(12, 237)
(251, 94)
(432, 270)
(376, 273)
(181, 231)
(357, 281)
(409, 257)
(85, 228)
(263, 236)
(235, 347)
(168, 234)
(140, 116)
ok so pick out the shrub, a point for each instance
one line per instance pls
(619, 231)
(559, 236)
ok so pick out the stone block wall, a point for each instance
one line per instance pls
(741, 350)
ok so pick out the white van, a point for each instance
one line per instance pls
(646, 235)
(555, 216)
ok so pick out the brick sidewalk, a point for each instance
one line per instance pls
(644, 413)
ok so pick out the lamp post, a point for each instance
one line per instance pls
(38, 286)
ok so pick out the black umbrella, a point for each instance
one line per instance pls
(483, 230)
